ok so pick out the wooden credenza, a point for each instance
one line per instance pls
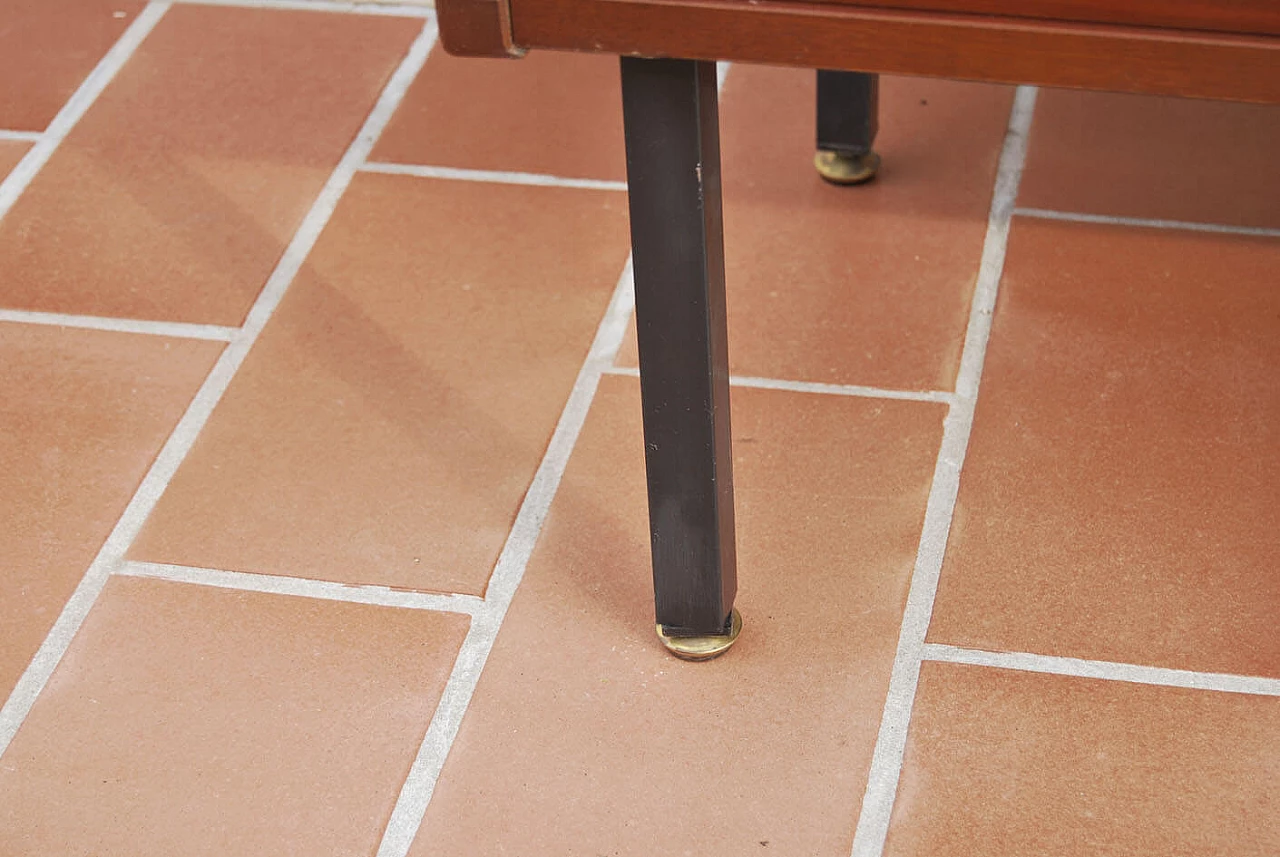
(1228, 49)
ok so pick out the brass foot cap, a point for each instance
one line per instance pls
(846, 169)
(703, 648)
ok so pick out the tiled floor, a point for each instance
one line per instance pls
(322, 477)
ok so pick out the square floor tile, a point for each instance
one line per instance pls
(1163, 158)
(1118, 500)
(549, 112)
(48, 48)
(82, 416)
(1007, 764)
(585, 737)
(192, 720)
(176, 194)
(388, 422)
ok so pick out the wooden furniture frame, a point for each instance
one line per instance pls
(1228, 49)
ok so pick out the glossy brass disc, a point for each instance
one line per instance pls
(703, 648)
(846, 169)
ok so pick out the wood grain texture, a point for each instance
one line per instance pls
(477, 28)
(1260, 17)
(1005, 50)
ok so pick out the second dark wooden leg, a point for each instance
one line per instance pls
(848, 119)
(673, 176)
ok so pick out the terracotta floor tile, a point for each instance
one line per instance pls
(1166, 158)
(1119, 495)
(82, 415)
(1007, 764)
(11, 152)
(47, 48)
(191, 720)
(549, 112)
(586, 738)
(177, 192)
(865, 285)
(386, 426)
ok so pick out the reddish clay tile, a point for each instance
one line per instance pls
(553, 113)
(1119, 496)
(386, 426)
(855, 285)
(1006, 764)
(47, 48)
(178, 191)
(190, 720)
(83, 415)
(1166, 158)
(11, 152)
(586, 737)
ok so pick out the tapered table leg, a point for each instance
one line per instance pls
(673, 175)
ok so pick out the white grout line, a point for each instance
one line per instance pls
(21, 136)
(1077, 217)
(398, 10)
(13, 186)
(416, 793)
(111, 556)
(886, 761)
(383, 596)
(842, 389)
(176, 329)
(493, 176)
(1106, 670)
(817, 387)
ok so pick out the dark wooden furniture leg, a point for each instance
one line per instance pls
(673, 175)
(848, 118)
